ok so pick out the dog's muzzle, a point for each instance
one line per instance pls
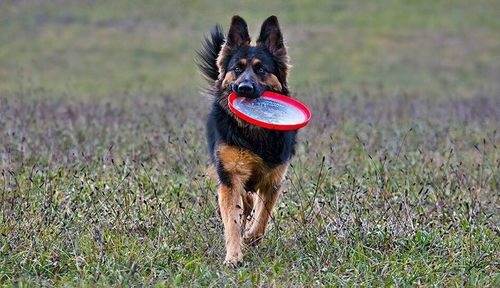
(245, 89)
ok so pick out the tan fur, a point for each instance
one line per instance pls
(228, 80)
(223, 101)
(239, 161)
(230, 204)
(268, 192)
(236, 204)
(273, 82)
(240, 166)
(224, 53)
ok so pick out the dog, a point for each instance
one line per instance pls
(250, 163)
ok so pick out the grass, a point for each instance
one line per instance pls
(104, 194)
(102, 164)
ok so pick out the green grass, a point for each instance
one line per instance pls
(102, 164)
(99, 194)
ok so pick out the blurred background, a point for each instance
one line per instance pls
(111, 49)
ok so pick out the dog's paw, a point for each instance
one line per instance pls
(252, 239)
(234, 259)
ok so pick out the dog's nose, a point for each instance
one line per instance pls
(245, 88)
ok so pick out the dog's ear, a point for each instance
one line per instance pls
(238, 33)
(271, 37)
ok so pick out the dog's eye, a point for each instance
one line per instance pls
(260, 70)
(238, 70)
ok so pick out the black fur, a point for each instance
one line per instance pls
(207, 56)
(268, 60)
(274, 147)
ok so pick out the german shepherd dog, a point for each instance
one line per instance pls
(250, 162)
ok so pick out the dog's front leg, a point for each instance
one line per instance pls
(230, 204)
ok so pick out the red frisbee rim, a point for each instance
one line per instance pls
(280, 98)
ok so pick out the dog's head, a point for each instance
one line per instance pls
(250, 70)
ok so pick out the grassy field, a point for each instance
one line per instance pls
(103, 157)
(75, 49)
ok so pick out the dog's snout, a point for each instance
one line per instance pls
(245, 88)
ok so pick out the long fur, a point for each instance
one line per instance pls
(250, 161)
(274, 147)
(207, 55)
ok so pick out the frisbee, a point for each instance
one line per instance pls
(271, 110)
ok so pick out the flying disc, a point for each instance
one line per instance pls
(271, 110)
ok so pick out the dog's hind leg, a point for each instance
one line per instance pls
(231, 208)
(266, 198)
(248, 207)
(263, 210)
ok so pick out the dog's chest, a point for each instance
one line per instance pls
(249, 168)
